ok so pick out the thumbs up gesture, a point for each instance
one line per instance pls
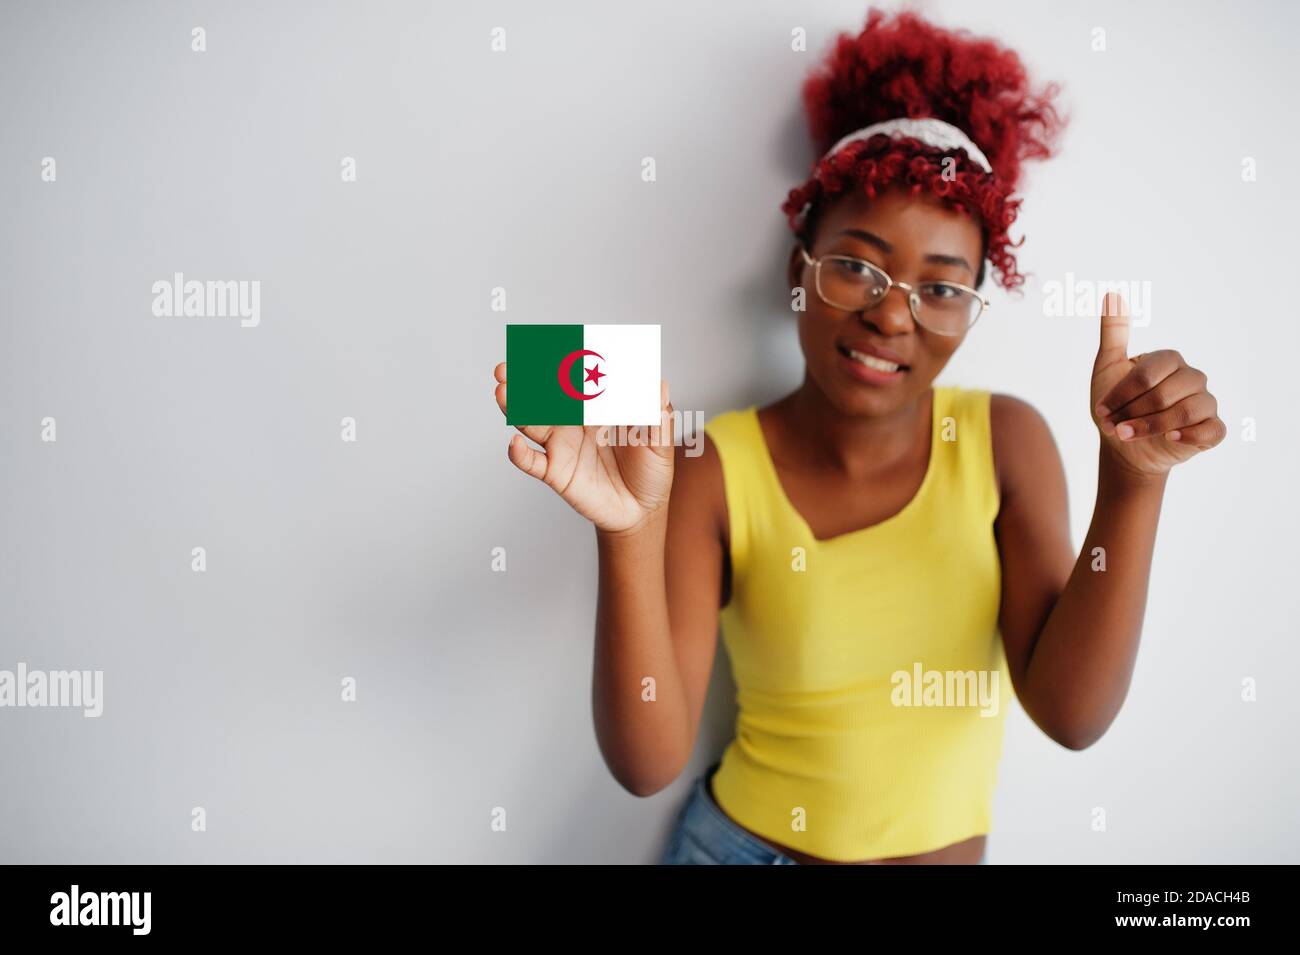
(1153, 410)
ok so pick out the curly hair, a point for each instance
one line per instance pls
(904, 66)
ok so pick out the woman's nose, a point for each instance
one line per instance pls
(893, 316)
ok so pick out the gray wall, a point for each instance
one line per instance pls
(371, 559)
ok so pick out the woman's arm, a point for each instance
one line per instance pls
(660, 520)
(657, 620)
(1070, 628)
(1071, 632)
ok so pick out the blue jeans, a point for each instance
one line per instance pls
(705, 835)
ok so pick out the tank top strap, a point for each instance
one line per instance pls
(747, 480)
(965, 443)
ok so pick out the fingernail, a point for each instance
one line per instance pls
(1174, 435)
(1102, 411)
(1107, 426)
(1125, 430)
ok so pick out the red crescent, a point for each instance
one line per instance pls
(565, 385)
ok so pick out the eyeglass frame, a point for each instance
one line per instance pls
(912, 303)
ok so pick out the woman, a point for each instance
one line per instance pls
(886, 555)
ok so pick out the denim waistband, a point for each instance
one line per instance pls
(705, 835)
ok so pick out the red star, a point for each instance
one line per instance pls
(594, 374)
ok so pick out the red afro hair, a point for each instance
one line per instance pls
(904, 66)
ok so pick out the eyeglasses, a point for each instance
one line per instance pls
(855, 285)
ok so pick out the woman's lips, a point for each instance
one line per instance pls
(869, 368)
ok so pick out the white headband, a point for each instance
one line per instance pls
(932, 132)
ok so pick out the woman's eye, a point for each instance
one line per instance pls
(940, 291)
(853, 267)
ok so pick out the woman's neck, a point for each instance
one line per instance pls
(816, 432)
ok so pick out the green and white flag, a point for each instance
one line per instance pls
(582, 374)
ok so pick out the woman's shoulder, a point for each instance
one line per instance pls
(1022, 440)
(1009, 415)
(728, 461)
(699, 483)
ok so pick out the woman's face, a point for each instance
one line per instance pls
(914, 239)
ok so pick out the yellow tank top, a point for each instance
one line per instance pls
(871, 680)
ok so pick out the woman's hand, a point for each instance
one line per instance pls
(1153, 411)
(616, 487)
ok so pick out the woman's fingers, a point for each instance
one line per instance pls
(1183, 414)
(661, 435)
(1183, 383)
(499, 372)
(527, 459)
(1204, 435)
(1147, 372)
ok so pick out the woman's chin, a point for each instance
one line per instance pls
(855, 399)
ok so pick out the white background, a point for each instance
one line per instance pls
(522, 170)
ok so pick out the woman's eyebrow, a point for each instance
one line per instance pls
(956, 260)
(872, 239)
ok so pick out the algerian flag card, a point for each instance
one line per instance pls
(582, 374)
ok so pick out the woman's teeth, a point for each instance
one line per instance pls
(871, 361)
